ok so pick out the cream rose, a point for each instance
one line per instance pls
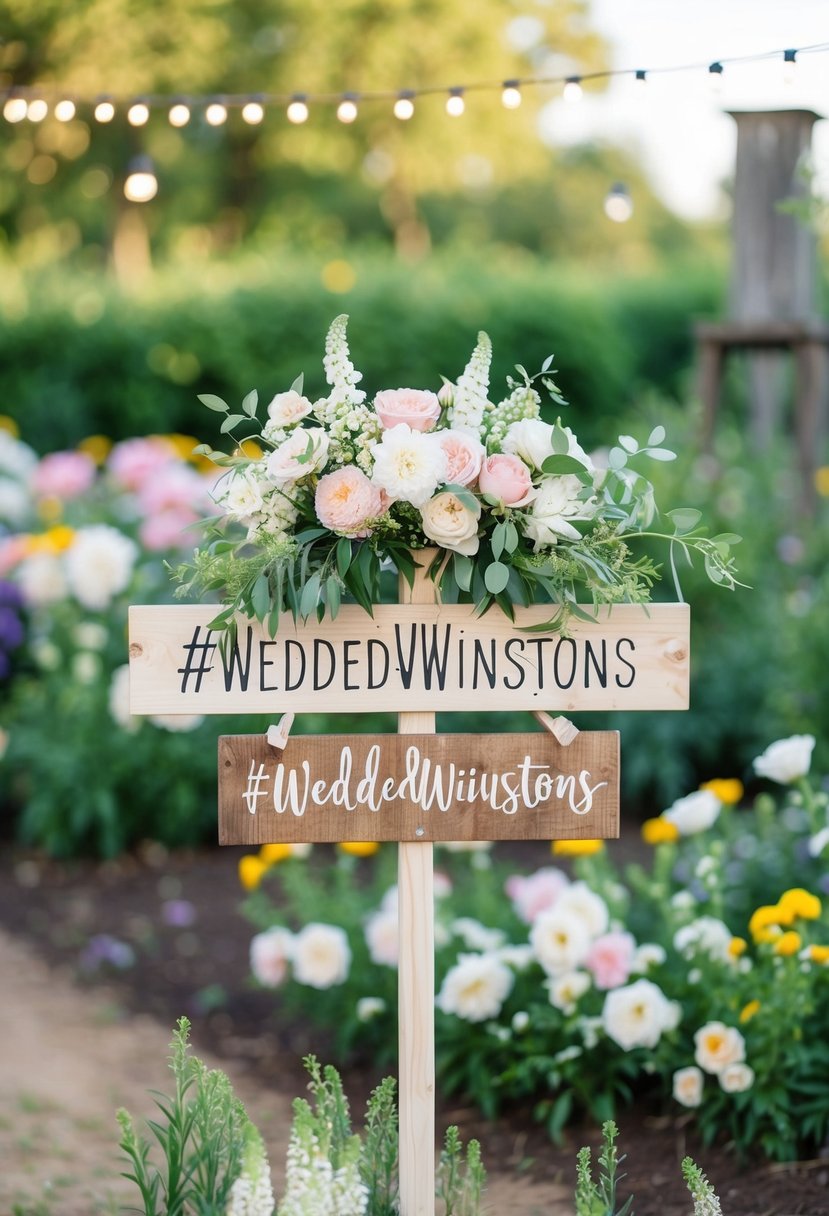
(695, 813)
(687, 1086)
(464, 456)
(507, 479)
(451, 524)
(346, 500)
(735, 1078)
(555, 505)
(289, 463)
(786, 760)
(414, 407)
(718, 1046)
(287, 409)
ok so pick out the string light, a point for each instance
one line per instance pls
(715, 72)
(618, 205)
(404, 106)
(138, 115)
(253, 112)
(511, 95)
(298, 111)
(216, 114)
(572, 89)
(37, 110)
(455, 104)
(15, 109)
(179, 114)
(104, 111)
(65, 110)
(141, 183)
(789, 66)
(347, 109)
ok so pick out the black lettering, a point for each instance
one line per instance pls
(590, 657)
(632, 645)
(460, 663)
(573, 653)
(289, 687)
(521, 672)
(234, 660)
(263, 663)
(431, 661)
(349, 662)
(386, 660)
(405, 668)
(489, 671)
(332, 659)
(539, 642)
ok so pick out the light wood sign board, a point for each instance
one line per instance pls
(418, 788)
(411, 657)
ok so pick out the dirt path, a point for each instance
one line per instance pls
(69, 1058)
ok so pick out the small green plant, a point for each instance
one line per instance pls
(599, 1199)
(460, 1182)
(703, 1194)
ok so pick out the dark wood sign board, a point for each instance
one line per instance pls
(418, 788)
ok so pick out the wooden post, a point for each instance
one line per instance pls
(416, 975)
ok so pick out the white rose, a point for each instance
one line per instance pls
(566, 989)
(476, 936)
(321, 955)
(687, 1087)
(649, 954)
(451, 524)
(177, 723)
(532, 440)
(99, 565)
(636, 1015)
(735, 1078)
(409, 465)
(555, 505)
(41, 580)
(705, 935)
(270, 953)
(475, 988)
(14, 502)
(590, 908)
(560, 940)
(786, 760)
(717, 1046)
(305, 451)
(119, 699)
(382, 937)
(695, 813)
(287, 409)
(239, 493)
(369, 1007)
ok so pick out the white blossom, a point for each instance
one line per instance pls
(694, 813)
(469, 397)
(321, 955)
(475, 988)
(636, 1015)
(99, 565)
(786, 760)
(560, 940)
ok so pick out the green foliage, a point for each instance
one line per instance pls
(599, 1199)
(703, 1194)
(460, 1181)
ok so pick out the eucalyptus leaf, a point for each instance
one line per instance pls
(548, 363)
(656, 435)
(250, 403)
(685, 519)
(617, 458)
(298, 384)
(466, 497)
(232, 421)
(260, 597)
(333, 594)
(213, 402)
(463, 571)
(343, 555)
(561, 443)
(628, 443)
(497, 540)
(310, 596)
(563, 464)
(664, 454)
(496, 577)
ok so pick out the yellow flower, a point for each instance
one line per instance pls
(728, 789)
(576, 848)
(249, 448)
(251, 870)
(788, 944)
(799, 904)
(183, 445)
(737, 946)
(765, 923)
(822, 481)
(748, 1011)
(271, 854)
(819, 954)
(96, 446)
(359, 848)
(9, 425)
(659, 831)
(59, 538)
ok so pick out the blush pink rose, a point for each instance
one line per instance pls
(536, 893)
(63, 475)
(346, 500)
(506, 478)
(414, 407)
(132, 462)
(464, 456)
(174, 486)
(167, 530)
(610, 959)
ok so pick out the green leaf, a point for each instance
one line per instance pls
(563, 464)
(617, 458)
(343, 555)
(685, 519)
(202, 449)
(660, 454)
(214, 403)
(297, 385)
(548, 363)
(496, 577)
(310, 596)
(310, 534)
(250, 403)
(497, 540)
(561, 444)
(466, 497)
(628, 443)
(656, 435)
(727, 538)
(232, 421)
(512, 538)
(260, 597)
(463, 567)
(333, 594)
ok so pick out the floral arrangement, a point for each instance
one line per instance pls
(704, 975)
(317, 499)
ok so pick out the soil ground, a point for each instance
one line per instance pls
(76, 1043)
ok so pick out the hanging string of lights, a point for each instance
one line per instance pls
(34, 103)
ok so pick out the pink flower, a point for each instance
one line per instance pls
(611, 959)
(270, 954)
(346, 500)
(303, 453)
(63, 475)
(464, 455)
(506, 478)
(134, 460)
(533, 895)
(13, 549)
(414, 407)
(166, 530)
(174, 486)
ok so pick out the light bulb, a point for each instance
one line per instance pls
(455, 104)
(618, 205)
(65, 110)
(138, 114)
(572, 90)
(37, 110)
(715, 77)
(104, 111)
(347, 109)
(298, 111)
(404, 107)
(179, 114)
(789, 67)
(141, 184)
(253, 112)
(15, 109)
(216, 114)
(511, 95)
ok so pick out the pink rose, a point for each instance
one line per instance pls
(304, 452)
(610, 959)
(166, 530)
(464, 456)
(416, 408)
(346, 500)
(63, 475)
(174, 486)
(537, 893)
(506, 478)
(134, 460)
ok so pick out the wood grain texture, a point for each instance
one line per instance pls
(415, 657)
(418, 787)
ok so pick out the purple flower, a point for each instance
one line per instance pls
(11, 628)
(179, 913)
(103, 948)
(10, 596)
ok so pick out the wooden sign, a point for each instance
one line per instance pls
(418, 788)
(412, 657)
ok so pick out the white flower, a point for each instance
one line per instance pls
(705, 935)
(695, 813)
(476, 936)
(636, 1015)
(517, 957)
(369, 1007)
(688, 1084)
(532, 440)
(287, 409)
(305, 451)
(786, 760)
(450, 523)
(408, 465)
(321, 955)
(520, 1021)
(239, 493)
(86, 667)
(648, 955)
(589, 1029)
(41, 580)
(565, 990)
(589, 907)
(382, 936)
(475, 988)
(99, 565)
(717, 1046)
(90, 635)
(469, 395)
(251, 1193)
(555, 505)
(683, 901)
(177, 723)
(270, 953)
(14, 502)
(735, 1078)
(16, 457)
(560, 940)
(818, 842)
(119, 699)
